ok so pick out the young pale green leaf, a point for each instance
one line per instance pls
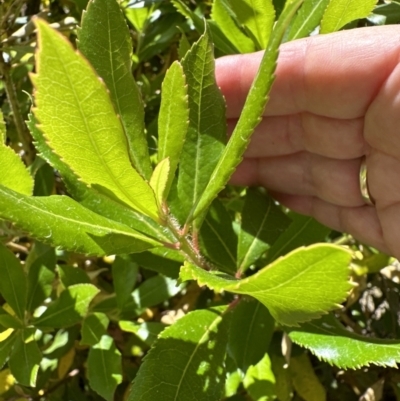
(296, 288)
(262, 223)
(173, 120)
(226, 20)
(219, 39)
(125, 274)
(24, 360)
(67, 89)
(5, 348)
(330, 341)
(341, 12)
(159, 181)
(307, 19)
(13, 283)
(92, 199)
(250, 333)
(304, 379)
(206, 137)
(60, 221)
(302, 231)
(104, 368)
(94, 327)
(192, 354)
(258, 16)
(147, 331)
(259, 381)
(218, 239)
(251, 114)
(70, 308)
(40, 264)
(104, 39)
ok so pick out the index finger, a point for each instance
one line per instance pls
(335, 75)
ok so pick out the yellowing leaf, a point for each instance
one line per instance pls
(77, 118)
(65, 363)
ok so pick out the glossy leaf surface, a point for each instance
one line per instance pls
(66, 91)
(60, 221)
(298, 287)
(251, 114)
(104, 39)
(192, 352)
(330, 341)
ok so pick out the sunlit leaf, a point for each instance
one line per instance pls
(159, 181)
(299, 287)
(94, 327)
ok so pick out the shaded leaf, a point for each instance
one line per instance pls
(66, 90)
(70, 275)
(283, 382)
(259, 381)
(5, 348)
(307, 19)
(60, 221)
(184, 46)
(330, 341)
(104, 368)
(301, 286)
(69, 308)
(24, 361)
(44, 181)
(262, 223)
(125, 275)
(104, 39)
(13, 283)
(206, 136)
(225, 18)
(341, 12)
(251, 114)
(250, 333)
(218, 239)
(258, 16)
(94, 327)
(192, 354)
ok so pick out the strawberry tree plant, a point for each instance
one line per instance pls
(161, 202)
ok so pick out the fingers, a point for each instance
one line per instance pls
(361, 222)
(284, 135)
(334, 75)
(334, 181)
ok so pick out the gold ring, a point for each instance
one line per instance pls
(364, 184)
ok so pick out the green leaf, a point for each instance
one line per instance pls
(307, 19)
(302, 231)
(69, 309)
(60, 221)
(304, 379)
(283, 381)
(125, 274)
(206, 135)
(40, 264)
(296, 288)
(330, 341)
(92, 199)
(148, 331)
(66, 90)
(13, 173)
(104, 39)
(225, 18)
(173, 120)
(262, 223)
(341, 12)
(251, 114)
(104, 368)
(250, 333)
(44, 181)
(159, 182)
(137, 16)
(6, 347)
(184, 47)
(217, 238)
(260, 381)
(13, 283)
(71, 275)
(8, 321)
(192, 353)
(258, 16)
(94, 327)
(24, 360)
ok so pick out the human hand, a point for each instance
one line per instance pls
(335, 99)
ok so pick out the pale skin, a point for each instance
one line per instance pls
(335, 99)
